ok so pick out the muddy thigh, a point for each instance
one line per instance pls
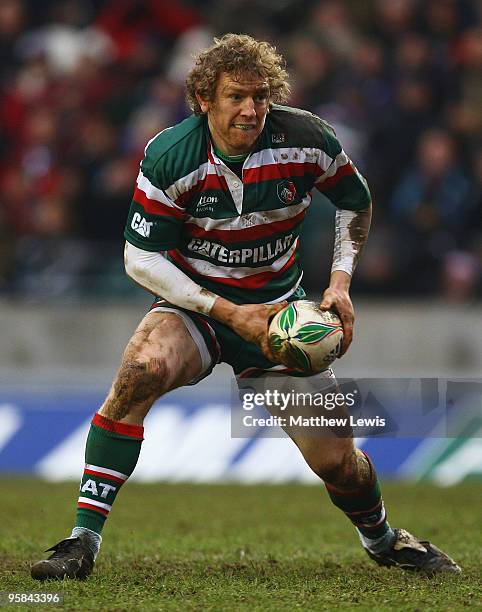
(160, 356)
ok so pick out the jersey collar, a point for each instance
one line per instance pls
(261, 143)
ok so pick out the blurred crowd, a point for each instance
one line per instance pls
(86, 83)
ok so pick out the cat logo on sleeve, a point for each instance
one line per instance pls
(140, 225)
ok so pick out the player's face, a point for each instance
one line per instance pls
(237, 114)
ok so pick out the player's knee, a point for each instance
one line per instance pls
(143, 378)
(337, 468)
(140, 381)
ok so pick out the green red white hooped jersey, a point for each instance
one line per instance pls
(240, 238)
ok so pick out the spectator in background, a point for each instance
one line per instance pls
(391, 20)
(12, 23)
(432, 206)
(464, 113)
(394, 136)
(462, 268)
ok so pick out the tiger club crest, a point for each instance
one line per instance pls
(286, 191)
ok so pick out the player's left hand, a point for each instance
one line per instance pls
(340, 302)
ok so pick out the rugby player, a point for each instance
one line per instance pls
(213, 231)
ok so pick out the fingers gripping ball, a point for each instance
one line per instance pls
(303, 337)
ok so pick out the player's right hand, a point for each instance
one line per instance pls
(250, 321)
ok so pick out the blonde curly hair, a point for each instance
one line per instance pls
(237, 54)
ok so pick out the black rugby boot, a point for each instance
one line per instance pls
(72, 558)
(409, 553)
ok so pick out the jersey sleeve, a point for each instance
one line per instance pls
(155, 220)
(340, 180)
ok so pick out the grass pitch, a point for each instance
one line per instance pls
(199, 547)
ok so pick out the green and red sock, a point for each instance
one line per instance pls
(111, 454)
(365, 508)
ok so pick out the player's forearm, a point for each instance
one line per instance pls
(351, 233)
(340, 280)
(155, 273)
(225, 312)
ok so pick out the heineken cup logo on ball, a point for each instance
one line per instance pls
(305, 338)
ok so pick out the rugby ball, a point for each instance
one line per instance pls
(305, 338)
